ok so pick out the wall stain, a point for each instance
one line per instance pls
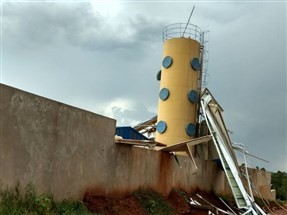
(163, 179)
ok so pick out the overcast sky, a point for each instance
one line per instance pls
(104, 57)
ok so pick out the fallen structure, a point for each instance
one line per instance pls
(212, 114)
(183, 107)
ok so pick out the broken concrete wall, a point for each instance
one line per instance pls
(261, 181)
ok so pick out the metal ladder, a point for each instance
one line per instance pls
(211, 111)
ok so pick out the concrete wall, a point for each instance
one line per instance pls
(67, 151)
(55, 146)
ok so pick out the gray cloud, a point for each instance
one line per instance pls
(41, 24)
(51, 29)
(138, 114)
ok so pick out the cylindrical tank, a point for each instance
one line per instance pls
(179, 90)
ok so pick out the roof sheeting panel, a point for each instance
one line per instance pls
(128, 132)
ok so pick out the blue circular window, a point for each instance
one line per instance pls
(192, 96)
(161, 127)
(164, 94)
(190, 129)
(167, 61)
(195, 64)
(158, 76)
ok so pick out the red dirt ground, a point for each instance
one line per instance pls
(178, 200)
(274, 208)
(104, 205)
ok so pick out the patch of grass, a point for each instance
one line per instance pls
(71, 208)
(153, 203)
(18, 201)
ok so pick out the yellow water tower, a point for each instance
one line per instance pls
(180, 79)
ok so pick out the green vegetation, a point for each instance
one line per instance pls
(24, 201)
(153, 203)
(279, 182)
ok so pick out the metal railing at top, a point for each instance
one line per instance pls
(178, 30)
